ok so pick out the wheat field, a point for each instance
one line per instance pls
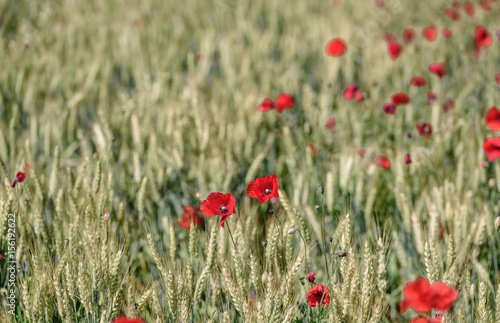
(118, 116)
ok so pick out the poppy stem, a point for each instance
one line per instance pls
(234, 244)
(323, 236)
(282, 241)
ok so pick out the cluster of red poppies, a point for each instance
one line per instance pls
(283, 102)
(263, 189)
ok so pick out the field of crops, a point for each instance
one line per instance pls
(249, 161)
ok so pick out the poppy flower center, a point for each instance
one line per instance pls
(223, 209)
(267, 191)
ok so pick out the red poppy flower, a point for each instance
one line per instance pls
(330, 124)
(191, 213)
(449, 105)
(418, 81)
(336, 47)
(379, 3)
(20, 176)
(394, 50)
(431, 96)
(383, 162)
(390, 108)
(124, 319)
(266, 105)
(264, 188)
(482, 38)
(446, 32)
(424, 129)
(400, 99)
(310, 276)
(443, 296)
(407, 159)
(284, 101)
(430, 33)
(422, 297)
(438, 68)
(485, 4)
(497, 77)
(315, 294)
(452, 14)
(219, 204)
(408, 35)
(491, 147)
(469, 8)
(361, 152)
(493, 119)
(426, 320)
(353, 92)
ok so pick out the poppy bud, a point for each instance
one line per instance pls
(497, 223)
(292, 231)
(341, 253)
(264, 243)
(317, 208)
(331, 239)
(321, 189)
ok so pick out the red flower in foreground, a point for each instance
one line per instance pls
(353, 92)
(264, 188)
(430, 33)
(315, 294)
(422, 297)
(124, 319)
(418, 81)
(266, 105)
(469, 8)
(407, 159)
(191, 213)
(493, 119)
(20, 176)
(446, 32)
(336, 47)
(408, 35)
(482, 38)
(491, 147)
(284, 101)
(219, 204)
(390, 108)
(449, 105)
(438, 68)
(424, 129)
(452, 14)
(310, 276)
(426, 319)
(383, 162)
(400, 99)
